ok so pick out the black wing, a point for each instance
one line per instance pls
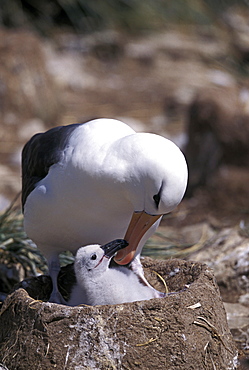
(41, 152)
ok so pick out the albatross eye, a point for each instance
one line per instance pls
(157, 197)
(93, 256)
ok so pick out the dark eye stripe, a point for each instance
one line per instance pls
(157, 197)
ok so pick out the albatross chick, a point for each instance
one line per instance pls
(100, 284)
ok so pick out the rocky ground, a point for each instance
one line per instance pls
(149, 82)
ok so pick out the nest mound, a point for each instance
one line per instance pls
(185, 330)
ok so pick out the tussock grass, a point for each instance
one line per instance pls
(15, 246)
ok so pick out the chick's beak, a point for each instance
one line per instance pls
(110, 249)
(139, 224)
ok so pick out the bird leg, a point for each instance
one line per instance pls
(54, 269)
(137, 268)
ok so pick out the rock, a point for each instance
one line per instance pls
(227, 253)
(238, 322)
(185, 330)
(237, 315)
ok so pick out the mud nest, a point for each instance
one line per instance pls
(185, 330)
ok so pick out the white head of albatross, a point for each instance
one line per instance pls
(95, 182)
(98, 284)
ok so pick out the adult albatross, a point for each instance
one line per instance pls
(95, 182)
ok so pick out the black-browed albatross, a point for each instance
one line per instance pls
(95, 182)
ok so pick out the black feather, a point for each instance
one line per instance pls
(40, 153)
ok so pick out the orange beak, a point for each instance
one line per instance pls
(139, 224)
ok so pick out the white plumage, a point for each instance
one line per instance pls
(98, 284)
(95, 182)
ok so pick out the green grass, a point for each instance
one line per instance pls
(16, 247)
